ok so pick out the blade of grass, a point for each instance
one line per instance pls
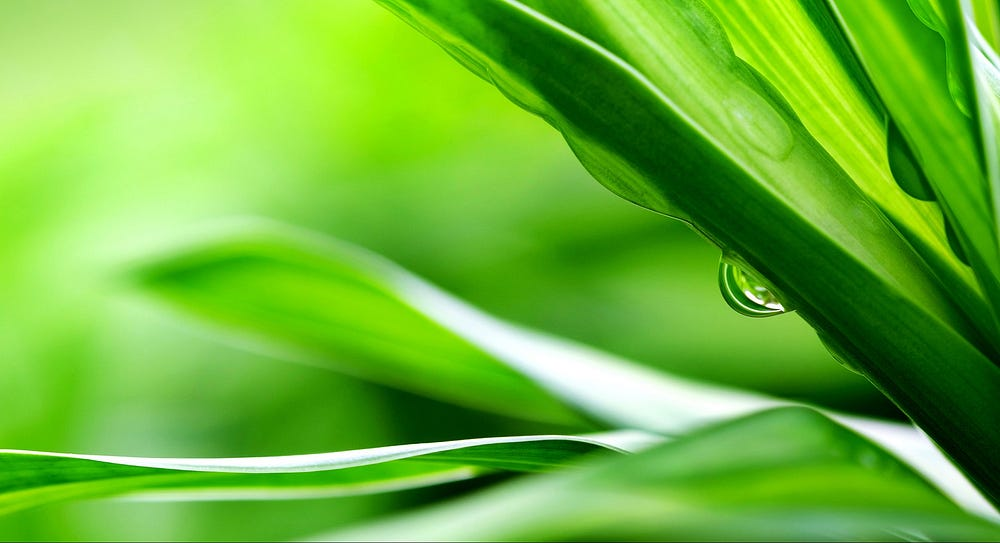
(796, 476)
(30, 478)
(615, 392)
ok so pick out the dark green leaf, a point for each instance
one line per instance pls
(653, 100)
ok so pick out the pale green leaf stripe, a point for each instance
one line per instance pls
(782, 475)
(986, 70)
(31, 478)
(797, 46)
(254, 258)
(901, 54)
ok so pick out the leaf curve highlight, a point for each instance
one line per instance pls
(616, 392)
(31, 478)
(798, 477)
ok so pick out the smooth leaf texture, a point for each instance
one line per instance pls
(652, 98)
(254, 259)
(336, 306)
(797, 476)
(798, 47)
(29, 478)
(924, 46)
(986, 70)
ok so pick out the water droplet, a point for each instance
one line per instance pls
(747, 293)
(758, 123)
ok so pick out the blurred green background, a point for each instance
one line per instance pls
(125, 124)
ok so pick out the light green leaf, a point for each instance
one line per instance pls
(798, 47)
(921, 44)
(655, 103)
(787, 474)
(235, 278)
(986, 70)
(29, 478)
(334, 305)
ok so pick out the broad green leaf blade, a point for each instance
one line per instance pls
(787, 474)
(608, 389)
(29, 478)
(320, 300)
(655, 103)
(925, 48)
(333, 305)
(798, 47)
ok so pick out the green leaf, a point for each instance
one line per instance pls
(925, 48)
(787, 474)
(319, 300)
(986, 71)
(29, 478)
(655, 103)
(797, 46)
(235, 280)
(333, 305)
(986, 18)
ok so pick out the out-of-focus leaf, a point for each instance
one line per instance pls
(653, 100)
(986, 18)
(29, 478)
(786, 474)
(323, 301)
(337, 306)
(235, 281)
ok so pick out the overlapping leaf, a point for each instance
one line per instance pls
(29, 478)
(798, 47)
(922, 45)
(253, 260)
(655, 103)
(787, 474)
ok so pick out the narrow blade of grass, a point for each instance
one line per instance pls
(30, 478)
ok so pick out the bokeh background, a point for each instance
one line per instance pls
(125, 124)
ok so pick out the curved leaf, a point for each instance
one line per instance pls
(253, 261)
(30, 478)
(797, 477)
(334, 305)
(798, 47)
(655, 103)
(925, 48)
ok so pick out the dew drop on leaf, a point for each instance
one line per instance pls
(746, 293)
